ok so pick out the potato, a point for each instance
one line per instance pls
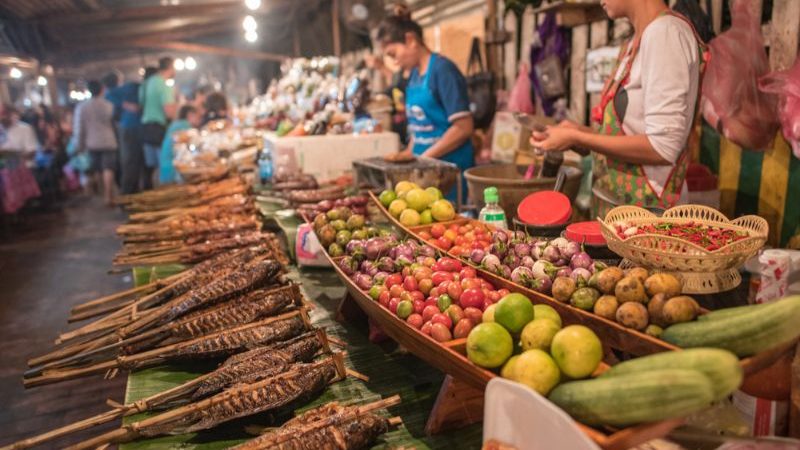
(655, 308)
(563, 288)
(630, 289)
(680, 309)
(639, 272)
(607, 279)
(632, 315)
(606, 306)
(662, 283)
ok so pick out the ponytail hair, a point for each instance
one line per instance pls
(393, 29)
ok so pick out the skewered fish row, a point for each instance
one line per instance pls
(299, 383)
(331, 426)
(222, 343)
(231, 201)
(187, 233)
(185, 195)
(247, 367)
(188, 218)
(247, 308)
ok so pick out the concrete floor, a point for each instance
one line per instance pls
(48, 263)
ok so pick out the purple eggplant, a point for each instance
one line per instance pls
(405, 251)
(542, 285)
(511, 260)
(380, 277)
(505, 271)
(522, 250)
(499, 249)
(349, 265)
(521, 236)
(581, 276)
(363, 281)
(564, 272)
(551, 254)
(403, 261)
(581, 260)
(544, 269)
(376, 247)
(477, 255)
(527, 261)
(491, 263)
(522, 275)
(356, 246)
(386, 264)
(571, 249)
(500, 236)
(426, 251)
(537, 249)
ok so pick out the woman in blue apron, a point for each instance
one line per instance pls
(437, 106)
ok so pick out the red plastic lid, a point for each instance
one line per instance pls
(545, 208)
(585, 232)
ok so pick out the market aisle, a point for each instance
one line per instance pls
(49, 263)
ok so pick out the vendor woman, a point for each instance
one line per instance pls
(439, 120)
(647, 111)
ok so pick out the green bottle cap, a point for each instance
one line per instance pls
(490, 195)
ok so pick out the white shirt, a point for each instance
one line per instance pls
(20, 137)
(662, 93)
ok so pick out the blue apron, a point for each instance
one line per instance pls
(427, 122)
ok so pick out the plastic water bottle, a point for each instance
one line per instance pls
(492, 213)
(265, 168)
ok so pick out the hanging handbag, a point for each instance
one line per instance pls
(480, 86)
(152, 133)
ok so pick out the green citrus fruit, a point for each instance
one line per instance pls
(539, 334)
(577, 351)
(537, 370)
(489, 345)
(513, 311)
(546, 312)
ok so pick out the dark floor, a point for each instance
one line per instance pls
(49, 262)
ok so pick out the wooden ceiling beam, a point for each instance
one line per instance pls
(190, 47)
(188, 27)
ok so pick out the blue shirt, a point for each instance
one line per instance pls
(165, 165)
(128, 92)
(448, 86)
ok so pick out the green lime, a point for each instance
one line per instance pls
(489, 345)
(546, 312)
(513, 311)
(537, 370)
(577, 351)
(538, 334)
(387, 197)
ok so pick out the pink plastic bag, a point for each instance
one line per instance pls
(732, 102)
(520, 98)
(786, 85)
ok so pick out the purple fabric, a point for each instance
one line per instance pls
(554, 41)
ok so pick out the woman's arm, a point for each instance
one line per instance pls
(460, 130)
(636, 149)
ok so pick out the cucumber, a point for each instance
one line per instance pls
(635, 397)
(730, 312)
(720, 366)
(744, 334)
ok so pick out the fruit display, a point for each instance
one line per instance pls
(413, 205)
(546, 353)
(651, 388)
(460, 239)
(339, 226)
(634, 298)
(439, 296)
(706, 236)
(744, 330)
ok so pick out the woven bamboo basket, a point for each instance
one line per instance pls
(702, 271)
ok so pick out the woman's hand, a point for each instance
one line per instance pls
(554, 139)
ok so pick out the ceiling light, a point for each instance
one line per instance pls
(41, 81)
(251, 36)
(249, 23)
(15, 73)
(252, 4)
(190, 63)
(170, 82)
(178, 64)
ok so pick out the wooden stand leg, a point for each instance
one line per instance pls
(349, 311)
(457, 405)
(794, 398)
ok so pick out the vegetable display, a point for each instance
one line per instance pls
(460, 240)
(413, 205)
(706, 236)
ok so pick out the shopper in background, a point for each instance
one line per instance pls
(94, 121)
(188, 117)
(215, 107)
(126, 98)
(157, 100)
(17, 135)
(437, 106)
(199, 97)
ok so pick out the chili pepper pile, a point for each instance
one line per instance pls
(709, 237)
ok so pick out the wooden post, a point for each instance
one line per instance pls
(510, 67)
(599, 38)
(784, 33)
(577, 82)
(716, 15)
(457, 405)
(337, 38)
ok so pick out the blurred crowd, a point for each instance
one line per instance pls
(117, 141)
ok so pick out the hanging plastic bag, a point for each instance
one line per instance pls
(732, 102)
(786, 85)
(520, 97)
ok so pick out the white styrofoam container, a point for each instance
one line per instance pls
(516, 415)
(330, 156)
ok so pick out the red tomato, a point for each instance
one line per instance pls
(443, 319)
(426, 285)
(396, 290)
(486, 285)
(487, 303)
(462, 230)
(458, 250)
(450, 235)
(419, 305)
(472, 298)
(439, 277)
(406, 271)
(393, 305)
(448, 264)
(503, 292)
(468, 272)
(470, 283)
(469, 226)
(429, 311)
(453, 227)
(437, 230)
(431, 301)
(417, 295)
(429, 261)
(422, 272)
(477, 245)
(494, 296)
(424, 235)
(426, 327)
(434, 292)
(460, 240)
(406, 295)
(470, 236)
(384, 298)
(454, 291)
(415, 320)
(393, 279)
(410, 283)
(443, 243)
